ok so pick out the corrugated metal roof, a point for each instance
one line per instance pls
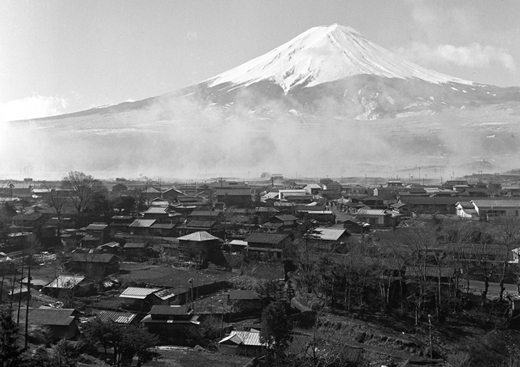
(118, 317)
(169, 293)
(137, 293)
(65, 282)
(250, 338)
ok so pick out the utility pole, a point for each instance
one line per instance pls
(431, 340)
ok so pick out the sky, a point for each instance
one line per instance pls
(64, 56)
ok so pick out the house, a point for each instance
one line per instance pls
(234, 194)
(264, 213)
(428, 204)
(246, 343)
(245, 301)
(288, 221)
(172, 296)
(269, 245)
(331, 189)
(137, 298)
(175, 323)
(118, 317)
(99, 230)
(61, 322)
(207, 215)
(6, 263)
(136, 251)
(163, 229)
(64, 283)
(329, 239)
(160, 214)
(93, 263)
(377, 218)
(312, 189)
(320, 216)
(466, 210)
(237, 245)
(172, 194)
(141, 226)
(201, 245)
(28, 222)
(284, 194)
(488, 209)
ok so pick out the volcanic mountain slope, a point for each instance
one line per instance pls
(336, 71)
(265, 114)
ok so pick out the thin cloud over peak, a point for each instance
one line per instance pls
(473, 55)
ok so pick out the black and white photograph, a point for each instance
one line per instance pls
(257, 183)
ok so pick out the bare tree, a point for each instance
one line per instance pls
(81, 189)
(58, 202)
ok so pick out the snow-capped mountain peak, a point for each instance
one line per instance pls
(325, 54)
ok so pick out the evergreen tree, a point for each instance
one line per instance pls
(276, 332)
(10, 350)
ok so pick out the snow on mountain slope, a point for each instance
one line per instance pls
(326, 54)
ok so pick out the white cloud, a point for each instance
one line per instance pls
(32, 107)
(474, 56)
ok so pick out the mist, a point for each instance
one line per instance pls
(185, 138)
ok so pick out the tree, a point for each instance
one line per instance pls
(276, 331)
(137, 342)
(82, 189)
(10, 350)
(128, 341)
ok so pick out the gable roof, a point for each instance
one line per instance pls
(329, 234)
(117, 317)
(169, 310)
(269, 238)
(135, 245)
(496, 203)
(165, 294)
(48, 316)
(96, 227)
(156, 210)
(205, 213)
(250, 338)
(137, 292)
(142, 223)
(65, 281)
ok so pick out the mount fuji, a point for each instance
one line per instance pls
(329, 83)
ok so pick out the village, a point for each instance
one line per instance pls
(211, 267)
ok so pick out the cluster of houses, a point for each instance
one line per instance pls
(200, 222)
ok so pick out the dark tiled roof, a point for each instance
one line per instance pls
(270, 238)
(48, 316)
(168, 310)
